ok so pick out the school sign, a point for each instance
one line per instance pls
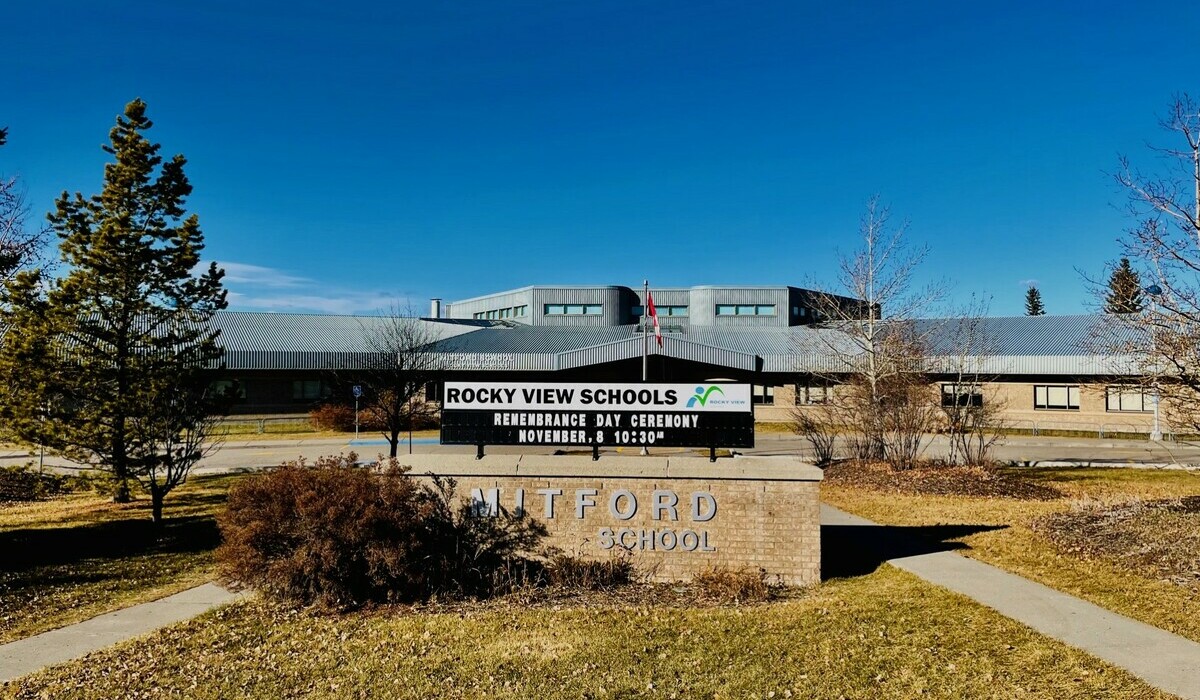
(598, 414)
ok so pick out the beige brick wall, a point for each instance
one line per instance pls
(767, 508)
(1018, 412)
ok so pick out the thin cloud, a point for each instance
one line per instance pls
(243, 273)
(331, 303)
(261, 288)
(1029, 283)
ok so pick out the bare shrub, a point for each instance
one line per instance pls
(578, 573)
(21, 483)
(972, 414)
(817, 426)
(908, 412)
(734, 585)
(339, 417)
(469, 554)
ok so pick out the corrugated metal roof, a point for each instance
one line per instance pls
(258, 340)
(1028, 335)
(1021, 345)
(534, 339)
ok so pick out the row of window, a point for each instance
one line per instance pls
(573, 309)
(667, 310)
(1122, 399)
(745, 309)
(663, 310)
(507, 312)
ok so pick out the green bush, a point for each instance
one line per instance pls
(342, 535)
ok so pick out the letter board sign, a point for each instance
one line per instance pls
(598, 414)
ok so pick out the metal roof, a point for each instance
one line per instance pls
(256, 340)
(1056, 345)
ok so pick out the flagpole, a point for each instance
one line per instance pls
(645, 338)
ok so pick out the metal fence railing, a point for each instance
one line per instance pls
(261, 425)
(1109, 429)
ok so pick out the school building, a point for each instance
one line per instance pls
(1043, 371)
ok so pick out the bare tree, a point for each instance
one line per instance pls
(882, 397)
(972, 409)
(405, 357)
(1164, 343)
(21, 247)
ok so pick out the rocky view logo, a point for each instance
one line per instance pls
(702, 395)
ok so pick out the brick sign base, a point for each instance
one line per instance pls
(674, 516)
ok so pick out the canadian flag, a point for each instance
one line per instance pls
(654, 317)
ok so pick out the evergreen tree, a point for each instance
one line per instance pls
(1124, 290)
(109, 366)
(1033, 302)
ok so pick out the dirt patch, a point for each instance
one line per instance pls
(938, 480)
(1159, 539)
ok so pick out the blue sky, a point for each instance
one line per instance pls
(345, 155)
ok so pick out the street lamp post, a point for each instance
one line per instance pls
(1154, 291)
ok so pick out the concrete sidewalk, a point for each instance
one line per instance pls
(73, 641)
(1164, 660)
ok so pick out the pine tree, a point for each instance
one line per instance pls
(1033, 302)
(1125, 294)
(113, 358)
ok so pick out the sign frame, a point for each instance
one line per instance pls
(598, 414)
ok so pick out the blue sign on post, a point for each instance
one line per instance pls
(357, 391)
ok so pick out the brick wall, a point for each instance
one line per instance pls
(1015, 400)
(767, 512)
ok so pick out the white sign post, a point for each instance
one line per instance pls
(357, 391)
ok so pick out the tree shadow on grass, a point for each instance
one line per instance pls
(38, 547)
(858, 550)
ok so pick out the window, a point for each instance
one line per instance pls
(764, 395)
(306, 389)
(745, 309)
(229, 387)
(1128, 398)
(811, 395)
(574, 309)
(673, 310)
(962, 395)
(1059, 398)
(507, 312)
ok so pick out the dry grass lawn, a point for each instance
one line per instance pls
(80, 555)
(884, 635)
(1016, 545)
